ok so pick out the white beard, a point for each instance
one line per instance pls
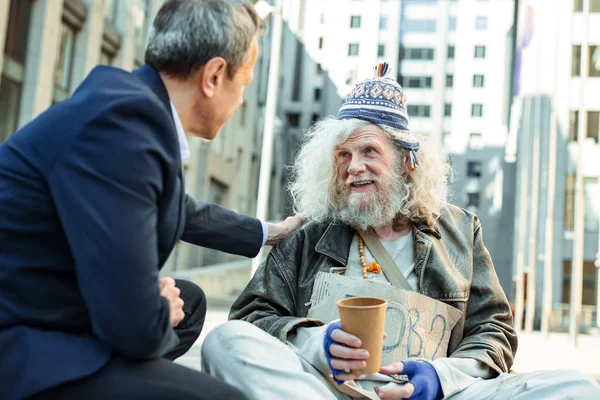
(375, 208)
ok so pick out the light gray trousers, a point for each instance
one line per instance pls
(264, 368)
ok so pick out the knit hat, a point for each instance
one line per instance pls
(381, 101)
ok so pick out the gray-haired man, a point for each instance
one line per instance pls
(92, 203)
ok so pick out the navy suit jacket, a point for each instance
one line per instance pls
(91, 205)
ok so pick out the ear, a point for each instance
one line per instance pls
(212, 75)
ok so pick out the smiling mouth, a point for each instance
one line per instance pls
(361, 184)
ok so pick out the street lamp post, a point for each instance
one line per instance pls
(266, 158)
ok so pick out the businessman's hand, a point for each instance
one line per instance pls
(278, 232)
(169, 291)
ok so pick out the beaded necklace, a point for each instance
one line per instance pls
(373, 267)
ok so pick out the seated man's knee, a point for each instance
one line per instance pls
(229, 335)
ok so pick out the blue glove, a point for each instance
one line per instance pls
(326, 343)
(425, 380)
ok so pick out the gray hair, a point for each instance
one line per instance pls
(188, 33)
(313, 188)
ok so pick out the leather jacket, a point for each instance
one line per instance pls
(451, 263)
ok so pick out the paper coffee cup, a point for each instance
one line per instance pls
(364, 317)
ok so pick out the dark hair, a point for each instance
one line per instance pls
(187, 33)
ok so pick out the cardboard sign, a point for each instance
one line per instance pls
(416, 325)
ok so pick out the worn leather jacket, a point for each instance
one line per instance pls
(451, 263)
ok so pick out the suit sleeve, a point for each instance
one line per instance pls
(210, 225)
(106, 188)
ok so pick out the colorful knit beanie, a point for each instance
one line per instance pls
(381, 101)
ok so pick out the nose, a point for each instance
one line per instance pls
(356, 166)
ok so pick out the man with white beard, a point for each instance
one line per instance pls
(357, 179)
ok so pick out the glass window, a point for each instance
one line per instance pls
(106, 58)
(449, 81)
(17, 31)
(473, 199)
(381, 50)
(64, 61)
(315, 118)
(594, 6)
(353, 49)
(594, 61)
(355, 21)
(293, 119)
(415, 110)
(479, 51)
(481, 23)
(416, 82)
(317, 95)
(592, 125)
(474, 169)
(450, 52)
(477, 80)
(570, 202)
(573, 125)
(382, 23)
(591, 194)
(320, 42)
(577, 5)
(451, 23)
(416, 53)
(475, 141)
(445, 137)
(110, 11)
(576, 61)
(476, 110)
(319, 69)
(10, 100)
(447, 110)
(140, 15)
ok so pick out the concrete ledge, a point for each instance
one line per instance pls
(221, 283)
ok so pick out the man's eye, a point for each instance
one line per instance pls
(344, 154)
(369, 150)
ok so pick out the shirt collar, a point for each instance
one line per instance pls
(184, 148)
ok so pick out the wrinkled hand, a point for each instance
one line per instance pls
(343, 352)
(169, 291)
(278, 232)
(424, 383)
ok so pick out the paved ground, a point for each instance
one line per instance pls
(535, 352)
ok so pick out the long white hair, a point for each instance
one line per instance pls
(313, 187)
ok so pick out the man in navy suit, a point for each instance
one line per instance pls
(92, 202)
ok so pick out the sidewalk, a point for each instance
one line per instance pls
(535, 351)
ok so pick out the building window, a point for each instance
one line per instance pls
(10, 100)
(382, 23)
(353, 49)
(476, 110)
(408, 53)
(577, 5)
(473, 199)
(317, 96)
(475, 141)
(418, 25)
(416, 82)
(106, 58)
(450, 52)
(591, 193)
(479, 51)
(481, 23)
(477, 80)
(474, 169)
(445, 137)
(593, 125)
(594, 6)
(319, 69)
(381, 50)
(592, 129)
(451, 23)
(355, 21)
(64, 62)
(594, 61)
(18, 30)
(447, 110)
(419, 110)
(140, 15)
(293, 119)
(110, 11)
(320, 42)
(449, 81)
(315, 118)
(576, 61)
